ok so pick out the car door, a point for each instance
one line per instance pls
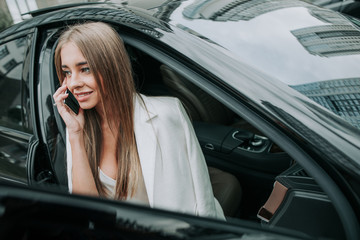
(16, 111)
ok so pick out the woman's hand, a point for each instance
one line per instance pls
(74, 123)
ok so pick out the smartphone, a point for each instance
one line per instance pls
(71, 102)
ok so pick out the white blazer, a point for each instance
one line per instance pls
(173, 165)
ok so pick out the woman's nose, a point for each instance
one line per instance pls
(75, 81)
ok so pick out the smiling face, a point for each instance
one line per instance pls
(79, 78)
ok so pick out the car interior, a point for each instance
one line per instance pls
(225, 138)
(252, 177)
(259, 181)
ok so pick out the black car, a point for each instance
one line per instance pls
(272, 88)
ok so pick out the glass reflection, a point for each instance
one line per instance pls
(15, 116)
(14, 92)
(306, 47)
(341, 96)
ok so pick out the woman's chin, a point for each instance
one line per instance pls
(86, 106)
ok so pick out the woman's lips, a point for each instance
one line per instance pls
(83, 96)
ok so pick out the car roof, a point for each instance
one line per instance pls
(56, 7)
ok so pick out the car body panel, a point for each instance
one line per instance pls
(85, 217)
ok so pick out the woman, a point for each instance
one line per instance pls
(121, 144)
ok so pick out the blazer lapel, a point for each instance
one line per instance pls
(146, 142)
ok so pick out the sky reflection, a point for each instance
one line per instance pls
(267, 43)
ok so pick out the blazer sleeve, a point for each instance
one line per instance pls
(68, 161)
(206, 203)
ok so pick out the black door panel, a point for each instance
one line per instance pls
(13, 151)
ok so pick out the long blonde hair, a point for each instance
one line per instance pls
(105, 53)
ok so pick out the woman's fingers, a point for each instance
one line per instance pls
(73, 122)
(59, 93)
(59, 100)
(59, 96)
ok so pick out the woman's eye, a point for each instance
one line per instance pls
(67, 73)
(85, 70)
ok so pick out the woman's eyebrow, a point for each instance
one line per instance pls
(78, 64)
(81, 63)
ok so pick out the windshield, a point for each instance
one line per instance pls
(313, 50)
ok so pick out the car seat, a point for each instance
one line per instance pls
(199, 104)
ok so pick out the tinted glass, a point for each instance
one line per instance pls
(14, 87)
(315, 51)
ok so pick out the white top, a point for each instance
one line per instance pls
(108, 183)
(140, 195)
